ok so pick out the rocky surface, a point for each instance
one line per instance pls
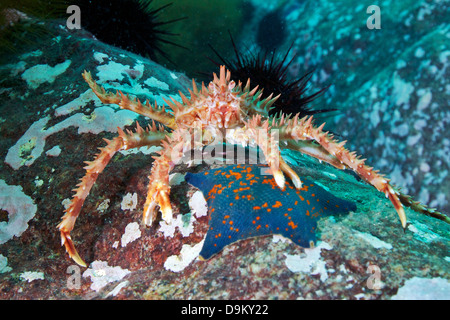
(390, 84)
(51, 123)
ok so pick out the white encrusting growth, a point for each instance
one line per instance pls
(132, 233)
(20, 207)
(30, 276)
(374, 241)
(311, 263)
(4, 264)
(41, 73)
(177, 263)
(129, 201)
(101, 274)
(31, 145)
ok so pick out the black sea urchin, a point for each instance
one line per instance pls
(132, 25)
(271, 74)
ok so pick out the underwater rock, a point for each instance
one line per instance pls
(361, 255)
(390, 85)
(271, 31)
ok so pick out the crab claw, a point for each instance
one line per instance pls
(393, 196)
(279, 178)
(65, 227)
(402, 216)
(66, 240)
(284, 169)
(149, 213)
(158, 195)
(165, 206)
(291, 174)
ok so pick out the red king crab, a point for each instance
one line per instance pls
(222, 110)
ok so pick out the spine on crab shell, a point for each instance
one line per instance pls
(252, 103)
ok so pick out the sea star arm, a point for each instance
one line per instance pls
(124, 102)
(126, 140)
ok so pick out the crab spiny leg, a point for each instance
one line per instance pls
(105, 96)
(305, 130)
(158, 193)
(149, 137)
(419, 207)
(268, 145)
(309, 147)
(258, 133)
(93, 169)
(312, 149)
(290, 173)
(147, 110)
